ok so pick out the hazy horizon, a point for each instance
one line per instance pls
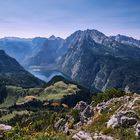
(43, 18)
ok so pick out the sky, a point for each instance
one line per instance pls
(31, 18)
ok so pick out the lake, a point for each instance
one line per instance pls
(47, 75)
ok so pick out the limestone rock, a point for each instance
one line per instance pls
(86, 114)
(113, 122)
(82, 135)
(61, 125)
(102, 137)
(126, 121)
(123, 118)
(138, 130)
(80, 106)
(4, 127)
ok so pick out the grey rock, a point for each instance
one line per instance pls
(102, 137)
(87, 113)
(126, 121)
(82, 135)
(113, 122)
(123, 118)
(4, 127)
(80, 106)
(138, 130)
(102, 106)
(61, 125)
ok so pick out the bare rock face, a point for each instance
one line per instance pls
(82, 135)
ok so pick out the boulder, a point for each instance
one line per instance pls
(82, 135)
(123, 118)
(113, 122)
(80, 106)
(138, 130)
(102, 137)
(4, 127)
(102, 106)
(86, 114)
(126, 121)
(61, 125)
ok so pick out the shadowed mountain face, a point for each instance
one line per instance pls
(48, 54)
(11, 73)
(37, 51)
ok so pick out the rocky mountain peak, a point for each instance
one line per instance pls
(52, 37)
(126, 40)
(94, 34)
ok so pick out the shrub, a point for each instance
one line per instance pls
(108, 94)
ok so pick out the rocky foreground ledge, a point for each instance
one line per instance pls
(103, 121)
(4, 128)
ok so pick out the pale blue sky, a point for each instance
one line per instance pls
(30, 18)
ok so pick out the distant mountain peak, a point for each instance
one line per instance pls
(52, 37)
(126, 40)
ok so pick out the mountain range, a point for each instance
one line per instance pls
(92, 98)
(88, 57)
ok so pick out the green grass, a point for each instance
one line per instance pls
(17, 94)
(10, 116)
(58, 91)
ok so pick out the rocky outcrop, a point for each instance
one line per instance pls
(84, 114)
(62, 125)
(121, 119)
(138, 130)
(102, 137)
(82, 135)
(102, 106)
(80, 106)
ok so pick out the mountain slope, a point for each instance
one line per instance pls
(48, 54)
(95, 63)
(11, 73)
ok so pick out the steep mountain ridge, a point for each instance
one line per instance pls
(11, 73)
(126, 40)
(48, 54)
(89, 57)
(101, 63)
